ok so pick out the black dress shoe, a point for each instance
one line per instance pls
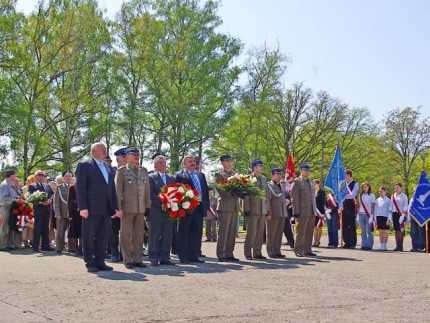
(48, 249)
(208, 240)
(222, 259)
(104, 268)
(128, 266)
(59, 252)
(154, 263)
(167, 263)
(311, 254)
(92, 269)
(281, 256)
(232, 259)
(197, 260)
(214, 240)
(260, 257)
(249, 258)
(202, 255)
(299, 254)
(139, 264)
(184, 261)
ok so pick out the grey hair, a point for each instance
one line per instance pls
(95, 145)
(159, 157)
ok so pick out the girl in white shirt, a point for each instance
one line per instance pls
(399, 209)
(366, 216)
(383, 217)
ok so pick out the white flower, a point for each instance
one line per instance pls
(175, 206)
(170, 189)
(190, 194)
(254, 179)
(181, 189)
(237, 176)
(186, 205)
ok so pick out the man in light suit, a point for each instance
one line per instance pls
(134, 202)
(160, 233)
(97, 202)
(304, 210)
(256, 210)
(276, 221)
(42, 213)
(228, 207)
(190, 229)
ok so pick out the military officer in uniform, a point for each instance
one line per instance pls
(276, 221)
(134, 202)
(304, 211)
(228, 207)
(210, 219)
(256, 210)
(61, 196)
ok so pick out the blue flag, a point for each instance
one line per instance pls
(420, 205)
(336, 180)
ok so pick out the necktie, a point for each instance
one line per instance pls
(163, 176)
(196, 182)
(104, 171)
(40, 187)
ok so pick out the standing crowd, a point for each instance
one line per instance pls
(107, 212)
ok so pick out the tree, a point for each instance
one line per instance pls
(407, 135)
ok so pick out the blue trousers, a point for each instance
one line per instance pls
(366, 231)
(333, 229)
(418, 235)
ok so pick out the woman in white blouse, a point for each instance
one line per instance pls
(366, 216)
(383, 217)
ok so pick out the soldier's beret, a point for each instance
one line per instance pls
(225, 157)
(257, 162)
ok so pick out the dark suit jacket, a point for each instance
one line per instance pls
(39, 208)
(94, 194)
(184, 177)
(156, 183)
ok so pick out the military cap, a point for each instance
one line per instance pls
(305, 166)
(158, 154)
(276, 170)
(108, 158)
(120, 152)
(257, 162)
(225, 157)
(133, 150)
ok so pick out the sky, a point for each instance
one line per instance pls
(368, 53)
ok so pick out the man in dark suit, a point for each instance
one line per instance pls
(97, 202)
(190, 227)
(160, 227)
(42, 212)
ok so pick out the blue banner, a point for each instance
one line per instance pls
(420, 205)
(336, 180)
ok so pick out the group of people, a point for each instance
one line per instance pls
(108, 209)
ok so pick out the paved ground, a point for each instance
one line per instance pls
(338, 285)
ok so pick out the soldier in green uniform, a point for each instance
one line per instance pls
(134, 202)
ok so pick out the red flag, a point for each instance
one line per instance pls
(290, 173)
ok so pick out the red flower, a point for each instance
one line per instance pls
(244, 181)
(15, 212)
(21, 208)
(173, 214)
(187, 187)
(181, 213)
(178, 184)
(224, 181)
(178, 195)
(196, 193)
(162, 197)
(194, 202)
(29, 208)
(19, 202)
(236, 179)
(170, 185)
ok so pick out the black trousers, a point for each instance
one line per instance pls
(288, 232)
(349, 228)
(41, 230)
(95, 235)
(115, 226)
(189, 238)
(160, 240)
